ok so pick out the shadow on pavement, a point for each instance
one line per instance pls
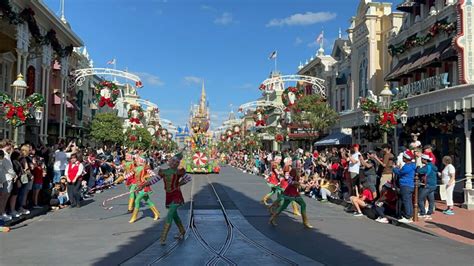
(289, 233)
(453, 230)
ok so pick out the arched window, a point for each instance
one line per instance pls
(363, 78)
(30, 80)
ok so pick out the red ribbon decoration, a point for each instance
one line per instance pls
(134, 120)
(103, 101)
(389, 116)
(260, 123)
(14, 110)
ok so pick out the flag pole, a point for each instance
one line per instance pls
(276, 58)
(115, 68)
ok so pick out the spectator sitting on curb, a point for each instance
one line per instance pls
(363, 200)
(387, 203)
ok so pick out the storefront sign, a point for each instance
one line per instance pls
(422, 86)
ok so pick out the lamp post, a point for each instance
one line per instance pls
(19, 90)
(385, 101)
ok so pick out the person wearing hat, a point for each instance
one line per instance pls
(273, 180)
(173, 178)
(429, 175)
(406, 177)
(128, 167)
(142, 174)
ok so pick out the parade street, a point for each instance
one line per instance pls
(92, 235)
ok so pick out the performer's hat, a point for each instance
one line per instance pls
(178, 156)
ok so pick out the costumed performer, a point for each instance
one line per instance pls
(273, 180)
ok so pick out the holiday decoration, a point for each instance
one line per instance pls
(199, 159)
(414, 41)
(259, 117)
(135, 114)
(279, 138)
(16, 113)
(107, 93)
(27, 16)
(290, 96)
(386, 119)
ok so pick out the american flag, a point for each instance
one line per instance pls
(111, 62)
(273, 55)
(320, 38)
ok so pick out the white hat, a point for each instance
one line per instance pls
(425, 157)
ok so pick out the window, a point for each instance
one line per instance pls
(363, 90)
(343, 99)
(30, 80)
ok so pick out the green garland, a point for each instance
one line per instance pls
(16, 113)
(27, 16)
(415, 41)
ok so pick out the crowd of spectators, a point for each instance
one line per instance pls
(376, 182)
(55, 176)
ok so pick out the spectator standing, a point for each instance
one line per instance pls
(406, 176)
(16, 184)
(370, 172)
(354, 167)
(73, 172)
(428, 172)
(10, 175)
(60, 163)
(448, 177)
(26, 183)
(38, 174)
(386, 163)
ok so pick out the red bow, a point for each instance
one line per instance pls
(260, 123)
(103, 101)
(134, 120)
(389, 117)
(15, 110)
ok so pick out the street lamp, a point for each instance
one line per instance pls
(366, 118)
(39, 114)
(404, 118)
(386, 97)
(19, 89)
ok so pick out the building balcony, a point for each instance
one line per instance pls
(423, 25)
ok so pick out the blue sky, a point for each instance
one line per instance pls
(175, 44)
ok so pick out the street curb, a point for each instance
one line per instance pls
(394, 221)
(33, 214)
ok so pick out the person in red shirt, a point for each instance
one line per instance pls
(365, 198)
(282, 187)
(291, 194)
(273, 180)
(428, 150)
(73, 173)
(38, 175)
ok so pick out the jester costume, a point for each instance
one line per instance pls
(273, 182)
(291, 194)
(173, 179)
(142, 190)
(280, 196)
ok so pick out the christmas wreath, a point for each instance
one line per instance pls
(279, 138)
(107, 93)
(368, 105)
(260, 117)
(288, 99)
(140, 116)
(16, 113)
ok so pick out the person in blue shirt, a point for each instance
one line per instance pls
(406, 179)
(429, 172)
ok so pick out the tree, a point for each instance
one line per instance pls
(142, 138)
(313, 114)
(107, 128)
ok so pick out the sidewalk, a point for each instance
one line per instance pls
(33, 214)
(458, 227)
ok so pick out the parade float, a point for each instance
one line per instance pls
(200, 155)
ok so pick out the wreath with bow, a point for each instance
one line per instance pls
(16, 113)
(386, 119)
(262, 121)
(114, 93)
(137, 108)
(285, 97)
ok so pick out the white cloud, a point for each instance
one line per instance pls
(298, 41)
(225, 19)
(192, 80)
(299, 19)
(150, 79)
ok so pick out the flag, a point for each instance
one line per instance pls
(273, 55)
(111, 62)
(320, 38)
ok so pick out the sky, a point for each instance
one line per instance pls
(175, 45)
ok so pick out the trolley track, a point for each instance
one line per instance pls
(232, 232)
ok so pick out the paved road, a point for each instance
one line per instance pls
(93, 236)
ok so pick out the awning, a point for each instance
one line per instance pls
(417, 65)
(337, 138)
(57, 100)
(407, 6)
(434, 57)
(449, 54)
(407, 66)
(392, 75)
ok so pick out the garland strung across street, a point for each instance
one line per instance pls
(27, 16)
(414, 41)
(16, 113)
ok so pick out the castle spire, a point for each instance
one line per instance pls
(202, 102)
